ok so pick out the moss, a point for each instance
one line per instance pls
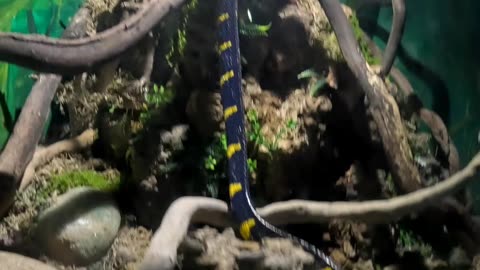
(72, 179)
(367, 54)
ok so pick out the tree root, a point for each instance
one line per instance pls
(44, 154)
(63, 56)
(162, 252)
(26, 134)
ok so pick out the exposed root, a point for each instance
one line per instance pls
(44, 154)
(162, 252)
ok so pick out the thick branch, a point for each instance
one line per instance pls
(395, 36)
(430, 118)
(62, 56)
(162, 252)
(382, 105)
(21, 145)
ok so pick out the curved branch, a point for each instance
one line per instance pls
(62, 56)
(382, 105)
(162, 252)
(395, 36)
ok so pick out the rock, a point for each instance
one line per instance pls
(19, 262)
(458, 259)
(225, 251)
(80, 227)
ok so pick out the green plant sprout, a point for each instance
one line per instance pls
(215, 160)
(255, 134)
(179, 44)
(252, 165)
(155, 99)
(254, 30)
(320, 81)
(210, 163)
(407, 240)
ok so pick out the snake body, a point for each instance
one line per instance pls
(251, 224)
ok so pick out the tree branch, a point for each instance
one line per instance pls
(382, 105)
(162, 252)
(430, 118)
(62, 56)
(395, 36)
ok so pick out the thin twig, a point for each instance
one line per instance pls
(44, 154)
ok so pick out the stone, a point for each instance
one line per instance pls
(80, 227)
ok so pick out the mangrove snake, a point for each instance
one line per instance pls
(251, 224)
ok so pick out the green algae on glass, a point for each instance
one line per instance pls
(63, 182)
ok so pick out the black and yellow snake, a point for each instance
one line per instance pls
(251, 224)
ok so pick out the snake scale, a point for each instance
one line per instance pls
(251, 224)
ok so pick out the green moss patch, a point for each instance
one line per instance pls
(72, 179)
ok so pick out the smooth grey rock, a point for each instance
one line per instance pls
(80, 227)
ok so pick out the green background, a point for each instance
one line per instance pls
(15, 84)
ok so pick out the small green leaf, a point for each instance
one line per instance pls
(291, 125)
(309, 73)
(318, 85)
(252, 165)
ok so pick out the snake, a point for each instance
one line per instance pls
(251, 225)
